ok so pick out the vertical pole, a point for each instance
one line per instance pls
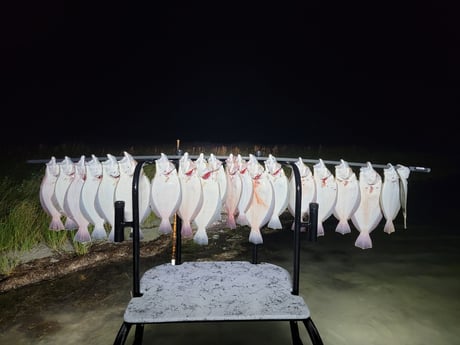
(136, 236)
(297, 219)
(176, 238)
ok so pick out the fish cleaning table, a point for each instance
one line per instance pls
(211, 291)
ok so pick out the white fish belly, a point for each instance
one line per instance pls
(165, 198)
(245, 198)
(47, 188)
(209, 208)
(234, 188)
(105, 199)
(191, 201)
(260, 209)
(308, 194)
(280, 190)
(347, 198)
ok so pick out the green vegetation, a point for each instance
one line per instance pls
(24, 224)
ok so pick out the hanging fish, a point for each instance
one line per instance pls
(348, 196)
(403, 173)
(192, 194)
(279, 180)
(88, 198)
(105, 196)
(326, 193)
(124, 189)
(65, 178)
(212, 204)
(72, 202)
(47, 188)
(262, 203)
(390, 202)
(234, 187)
(218, 170)
(308, 190)
(368, 214)
(246, 191)
(165, 192)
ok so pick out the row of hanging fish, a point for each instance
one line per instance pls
(200, 191)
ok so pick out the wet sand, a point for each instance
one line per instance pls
(402, 291)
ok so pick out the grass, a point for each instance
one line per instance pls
(24, 225)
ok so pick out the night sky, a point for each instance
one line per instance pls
(303, 74)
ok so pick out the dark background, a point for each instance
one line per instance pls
(305, 74)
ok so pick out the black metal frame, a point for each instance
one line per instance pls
(120, 223)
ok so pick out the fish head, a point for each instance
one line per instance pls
(163, 165)
(369, 175)
(111, 167)
(127, 164)
(403, 171)
(272, 166)
(231, 166)
(67, 166)
(214, 163)
(304, 170)
(52, 167)
(241, 163)
(186, 165)
(255, 169)
(320, 170)
(94, 167)
(80, 167)
(202, 168)
(343, 171)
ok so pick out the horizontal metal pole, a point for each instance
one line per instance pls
(260, 158)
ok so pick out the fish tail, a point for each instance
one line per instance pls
(56, 224)
(201, 237)
(242, 219)
(255, 236)
(343, 227)
(389, 226)
(98, 233)
(165, 226)
(231, 221)
(363, 241)
(70, 224)
(186, 229)
(82, 235)
(274, 223)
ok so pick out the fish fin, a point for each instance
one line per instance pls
(255, 236)
(363, 241)
(70, 224)
(274, 223)
(82, 235)
(343, 227)
(165, 226)
(201, 237)
(186, 229)
(56, 224)
(98, 233)
(231, 221)
(389, 227)
(242, 219)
